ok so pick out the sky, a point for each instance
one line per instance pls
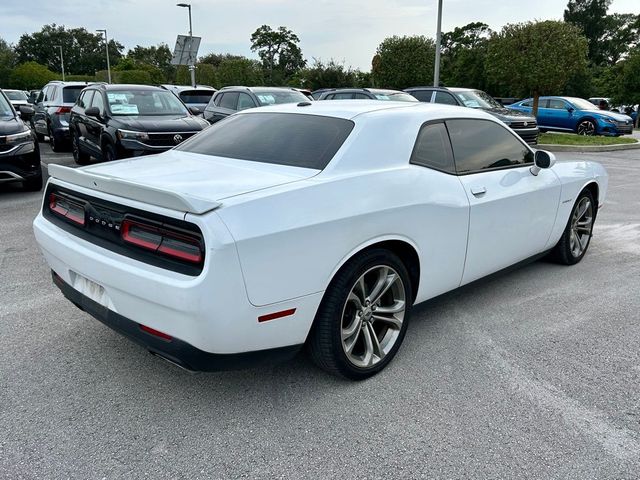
(348, 31)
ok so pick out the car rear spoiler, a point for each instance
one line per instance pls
(133, 191)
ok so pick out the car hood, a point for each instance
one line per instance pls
(159, 123)
(10, 125)
(180, 180)
(618, 117)
(510, 114)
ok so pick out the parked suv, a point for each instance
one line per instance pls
(576, 115)
(53, 106)
(229, 100)
(366, 94)
(119, 121)
(19, 149)
(523, 124)
(193, 97)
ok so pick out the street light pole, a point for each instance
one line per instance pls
(106, 47)
(192, 67)
(436, 70)
(61, 60)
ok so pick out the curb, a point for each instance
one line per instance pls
(588, 148)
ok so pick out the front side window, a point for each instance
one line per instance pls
(85, 99)
(229, 101)
(433, 148)
(423, 95)
(98, 102)
(445, 98)
(144, 102)
(297, 140)
(556, 104)
(485, 145)
(276, 97)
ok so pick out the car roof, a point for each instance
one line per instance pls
(182, 88)
(125, 86)
(257, 89)
(349, 109)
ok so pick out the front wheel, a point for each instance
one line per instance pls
(33, 184)
(363, 316)
(109, 153)
(577, 234)
(586, 127)
(80, 157)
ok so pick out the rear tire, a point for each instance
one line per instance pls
(79, 156)
(363, 317)
(34, 184)
(54, 142)
(577, 234)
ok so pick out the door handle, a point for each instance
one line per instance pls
(477, 191)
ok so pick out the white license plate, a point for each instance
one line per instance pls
(91, 290)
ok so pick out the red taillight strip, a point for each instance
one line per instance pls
(60, 210)
(155, 333)
(273, 316)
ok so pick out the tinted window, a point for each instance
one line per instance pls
(298, 140)
(229, 100)
(361, 96)
(5, 107)
(196, 96)
(395, 97)
(71, 94)
(482, 144)
(272, 97)
(433, 149)
(245, 101)
(341, 96)
(445, 98)
(98, 102)
(16, 95)
(85, 99)
(422, 95)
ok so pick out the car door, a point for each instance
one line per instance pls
(225, 105)
(95, 126)
(78, 119)
(39, 121)
(557, 114)
(512, 211)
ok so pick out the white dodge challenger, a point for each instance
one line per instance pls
(316, 224)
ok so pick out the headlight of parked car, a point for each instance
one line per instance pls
(19, 138)
(131, 135)
(608, 120)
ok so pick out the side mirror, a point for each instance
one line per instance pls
(26, 110)
(542, 159)
(92, 112)
(570, 109)
(195, 110)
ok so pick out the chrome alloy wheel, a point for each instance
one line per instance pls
(581, 227)
(586, 127)
(372, 316)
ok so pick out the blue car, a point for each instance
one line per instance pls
(569, 114)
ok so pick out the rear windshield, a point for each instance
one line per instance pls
(16, 95)
(196, 96)
(291, 139)
(71, 94)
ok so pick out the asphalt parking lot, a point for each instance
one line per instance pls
(533, 373)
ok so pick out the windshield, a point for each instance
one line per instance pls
(477, 99)
(296, 140)
(5, 107)
(16, 95)
(144, 102)
(582, 104)
(396, 97)
(273, 97)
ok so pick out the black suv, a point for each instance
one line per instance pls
(229, 100)
(119, 121)
(366, 94)
(19, 150)
(53, 106)
(523, 124)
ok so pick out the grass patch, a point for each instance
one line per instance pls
(573, 139)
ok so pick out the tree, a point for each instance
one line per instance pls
(622, 34)
(239, 71)
(536, 58)
(216, 59)
(463, 56)
(279, 51)
(402, 62)
(7, 62)
(158, 56)
(83, 52)
(31, 75)
(330, 74)
(629, 80)
(591, 17)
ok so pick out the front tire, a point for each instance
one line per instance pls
(577, 234)
(586, 127)
(54, 143)
(363, 316)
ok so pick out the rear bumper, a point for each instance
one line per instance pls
(176, 351)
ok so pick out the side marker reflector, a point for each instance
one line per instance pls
(273, 316)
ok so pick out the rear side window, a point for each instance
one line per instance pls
(484, 145)
(445, 98)
(291, 139)
(422, 95)
(85, 99)
(193, 96)
(229, 100)
(71, 94)
(433, 148)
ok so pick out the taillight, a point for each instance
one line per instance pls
(62, 110)
(67, 208)
(178, 245)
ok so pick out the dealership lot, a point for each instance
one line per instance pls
(532, 373)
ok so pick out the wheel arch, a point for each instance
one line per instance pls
(582, 119)
(403, 247)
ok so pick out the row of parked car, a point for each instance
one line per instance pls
(111, 121)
